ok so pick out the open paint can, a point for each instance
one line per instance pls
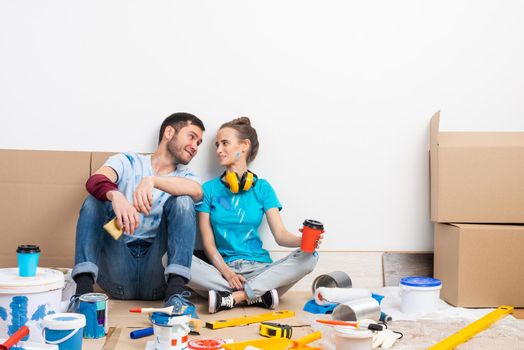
(94, 307)
(64, 330)
(27, 300)
(335, 279)
(206, 344)
(356, 310)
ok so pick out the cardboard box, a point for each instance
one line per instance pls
(479, 265)
(42, 192)
(476, 177)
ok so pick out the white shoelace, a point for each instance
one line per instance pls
(254, 301)
(228, 301)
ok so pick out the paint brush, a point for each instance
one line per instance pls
(15, 338)
(165, 310)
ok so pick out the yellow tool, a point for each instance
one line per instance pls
(277, 330)
(473, 328)
(277, 343)
(242, 321)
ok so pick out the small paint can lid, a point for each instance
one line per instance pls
(64, 321)
(45, 280)
(206, 344)
(420, 281)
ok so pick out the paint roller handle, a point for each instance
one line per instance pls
(15, 338)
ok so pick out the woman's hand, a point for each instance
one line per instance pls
(318, 242)
(235, 281)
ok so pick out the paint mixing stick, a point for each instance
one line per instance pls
(15, 338)
(165, 310)
(112, 228)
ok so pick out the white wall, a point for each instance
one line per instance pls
(341, 92)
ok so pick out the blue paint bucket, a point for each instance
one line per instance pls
(94, 307)
(64, 330)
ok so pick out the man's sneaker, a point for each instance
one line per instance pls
(269, 300)
(74, 303)
(220, 300)
(181, 306)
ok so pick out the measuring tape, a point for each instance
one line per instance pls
(275, 330)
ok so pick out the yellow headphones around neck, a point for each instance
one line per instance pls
(247, 181)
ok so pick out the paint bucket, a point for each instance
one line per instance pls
(26, 300)
(351, 338)
(171, 332)
(356, 310)
(206, 344)
(94, 307)
(335, 279)
(419, 295)
(64, 330)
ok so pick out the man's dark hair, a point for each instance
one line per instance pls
(178, 121)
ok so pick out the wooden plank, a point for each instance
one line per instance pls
(398, 265)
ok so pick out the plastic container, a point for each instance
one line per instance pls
(420, 295)
(350, 338)
(27, 260)
(64, 330)
(26, 300)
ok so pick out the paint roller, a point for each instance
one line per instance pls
(15, 338)
(325, 295)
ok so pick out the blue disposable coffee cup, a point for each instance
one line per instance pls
(27, 260)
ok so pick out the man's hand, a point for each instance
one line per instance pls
(235, 281)
(143, 195)
(126, 215)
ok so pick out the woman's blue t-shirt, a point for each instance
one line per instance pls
(235, 218)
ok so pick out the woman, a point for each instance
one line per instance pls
(229, 218)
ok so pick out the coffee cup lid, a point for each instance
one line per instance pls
(28, 248)
(313, 224)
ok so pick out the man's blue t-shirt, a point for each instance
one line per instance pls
(235, 218)
(131, 168)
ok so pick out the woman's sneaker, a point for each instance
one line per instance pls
(220, 300)
(269, 300)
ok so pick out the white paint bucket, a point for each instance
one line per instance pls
(351, 338)
(171, 332)
(420, 295)
(26, 300)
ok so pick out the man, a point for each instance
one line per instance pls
(152, 198)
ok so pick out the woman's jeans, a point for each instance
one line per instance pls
(260, 277)
(135, 270)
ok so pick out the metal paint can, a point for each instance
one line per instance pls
(356, 310)
(335, 279)
(94, 307)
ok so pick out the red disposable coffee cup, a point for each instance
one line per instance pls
(310, 234)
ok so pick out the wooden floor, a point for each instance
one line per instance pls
(518, 313)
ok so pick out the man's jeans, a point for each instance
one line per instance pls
(135, 270)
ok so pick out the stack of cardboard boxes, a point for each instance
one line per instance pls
(477, 205)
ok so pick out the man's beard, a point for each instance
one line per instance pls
(172, 150)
